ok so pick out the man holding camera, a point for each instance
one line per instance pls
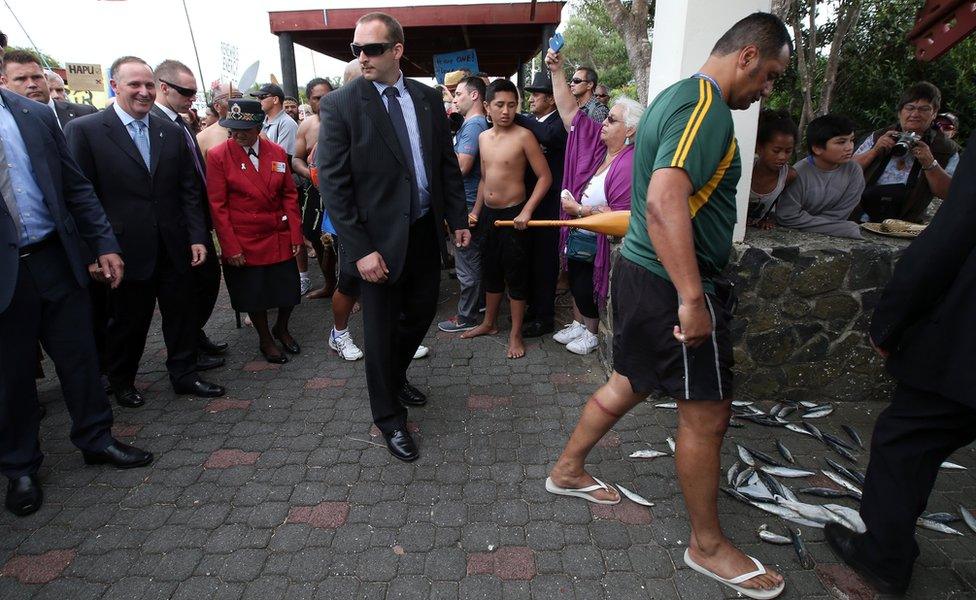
(908, 164)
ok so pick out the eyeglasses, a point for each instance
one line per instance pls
(577, 80)
(182, 91)
(611, 119)
(922, 110)
(260, 96)
(371, 49)
(602, 95)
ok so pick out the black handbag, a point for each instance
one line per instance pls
(580, 246)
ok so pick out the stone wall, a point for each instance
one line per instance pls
(805, 302)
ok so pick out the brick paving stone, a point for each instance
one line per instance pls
(218, 405)
(232, 457)
(39, 568)
(626, 512)
(841, 580)
(327, 515)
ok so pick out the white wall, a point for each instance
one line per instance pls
(684, 33)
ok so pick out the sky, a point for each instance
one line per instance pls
(99, 31)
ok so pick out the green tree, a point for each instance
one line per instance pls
(592, 41)
(45, 58)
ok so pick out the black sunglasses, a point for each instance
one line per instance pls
(602, 95)
(577, 80)
(182, 91)
(371, 49)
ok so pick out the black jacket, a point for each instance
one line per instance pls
(143, 205)
(364, 179)
(552, 136)
(69, 111)
(69, 197)
(202, 176)
(926, 316)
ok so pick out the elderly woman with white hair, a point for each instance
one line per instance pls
(599, 164)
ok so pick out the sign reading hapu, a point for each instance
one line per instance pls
(85, 77)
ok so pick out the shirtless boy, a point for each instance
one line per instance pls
(506, 150)
(215, 134)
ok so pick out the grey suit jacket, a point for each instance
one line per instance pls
(364, 178)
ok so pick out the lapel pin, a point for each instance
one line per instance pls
(25, 111)
(243, 168)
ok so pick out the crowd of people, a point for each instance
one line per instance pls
(108, 213)
(893, 173)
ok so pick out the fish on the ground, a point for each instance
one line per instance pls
(745, 456)
(648, 454)
(798, 429)
(775, 487)
(817, 413)
(847, 485)
(670, 405)
(812, 430)
(786, 471)
(806, 561)
(808, 404)
(741, 403)
(936, 526)
(670, 442)
(785, 452)
(833, 438)
(951, 466)
(851, 474)
(744, 476)
(968, 518)
(840, 449)
(824, 492)
(733, 472)
(772, 538)
(854, 435)
(769, 460)
(786, 411)
(634, 497)
(941, 517)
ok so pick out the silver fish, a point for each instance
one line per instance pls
(733, 472)
(741, 403)
(851, 517)
(670, 442)
(786, 472)
(745, 456)
(768, 536)
(968, 518)
(769, 460)
(786, 411)
(648, 454)
(808, 404)
(785, 452)
(636, 498)
(798, 429)
(854, 435)
(840, 449)
(936, 526)
(806, 561)
(744, 476)
(734, 423)
(817, 413)
(812, 430)
(836, 440)
(824, 492)
(941, 517)
(851, 474)
(671, 405)
(953, 466)
(847, 485)
(814, 512)
(774, 411)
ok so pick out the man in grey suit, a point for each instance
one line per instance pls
(389, 178)
(24, 75)
(49, 210)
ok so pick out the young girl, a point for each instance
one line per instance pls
(771, 173)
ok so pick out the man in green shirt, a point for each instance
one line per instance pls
(671, 311)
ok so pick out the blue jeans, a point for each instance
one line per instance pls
(467, 265)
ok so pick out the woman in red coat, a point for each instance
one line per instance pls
(255, 213)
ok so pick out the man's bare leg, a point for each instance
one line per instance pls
(327, 263)
(601, 412)
(341, 309)
(701, 429)
(516, 345)
(492, 303)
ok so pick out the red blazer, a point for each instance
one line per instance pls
(254, 212)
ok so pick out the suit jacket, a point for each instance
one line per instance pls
(925, 316)
(552, 136)
(364, 178)
(76, 211)
(202, 180)
(150, 208)
(255, 212)
(68, 111)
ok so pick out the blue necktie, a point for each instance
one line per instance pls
(400, 127)
(139, 136)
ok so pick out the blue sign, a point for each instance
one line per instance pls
(454, 61)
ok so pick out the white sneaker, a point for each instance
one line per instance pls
(421, 352)
(344, 346)
(304, 285)
(569, 332)
(584, 344)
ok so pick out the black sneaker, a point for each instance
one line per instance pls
(456, 325)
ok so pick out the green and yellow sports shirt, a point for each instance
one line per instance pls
(688, 126)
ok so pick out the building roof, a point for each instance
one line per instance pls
(940, 25)
(502, 34)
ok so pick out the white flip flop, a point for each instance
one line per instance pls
(733, 583)
(586, 493)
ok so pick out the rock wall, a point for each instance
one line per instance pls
(805, 303)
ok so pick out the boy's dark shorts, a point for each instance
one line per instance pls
(504, 260)
(645, 311)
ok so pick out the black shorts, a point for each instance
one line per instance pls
(311, 205)
(347, 284)
(645, 311)
(504, 260)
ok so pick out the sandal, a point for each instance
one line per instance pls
(733, 583)
(586, 493)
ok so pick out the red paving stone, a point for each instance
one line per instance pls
(483, 402)
(610, 440)
(566, 378)
(412, 427)
(627, 512)
(221, 404)
(842, 582)
(327, 515)
(121, 430)
(38, 568)
(230, 457)
(259, 365)
(321, 383)
(509, 563)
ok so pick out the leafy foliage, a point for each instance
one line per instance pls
(592, 41)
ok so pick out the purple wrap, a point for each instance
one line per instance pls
(585, 152)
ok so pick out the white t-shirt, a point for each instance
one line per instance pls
(595, 194)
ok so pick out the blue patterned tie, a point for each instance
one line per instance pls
(400, 127)
(139, 136)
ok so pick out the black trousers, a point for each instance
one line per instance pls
(48, 305)
(543, 251)
(206, 285)
(396, 316)
(131, 306)
(912, 437)
(98, 294)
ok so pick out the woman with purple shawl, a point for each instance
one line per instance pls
(598, 167)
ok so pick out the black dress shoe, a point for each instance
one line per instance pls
(842, 541)
(201, 388)
(401, 445)
(208, 346)
(291, 347)
(128, 397)
(534, 329)
(411, 396)
(275, 359)
(24, 495)
(119, 455)
(205, 362)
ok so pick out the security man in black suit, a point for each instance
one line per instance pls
(144, 176)
(49, 210)
(389, 178)
(176, 87)
(544, 122)
(924, 324)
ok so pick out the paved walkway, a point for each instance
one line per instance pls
(283, 490)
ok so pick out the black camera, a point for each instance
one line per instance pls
(904, 141)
